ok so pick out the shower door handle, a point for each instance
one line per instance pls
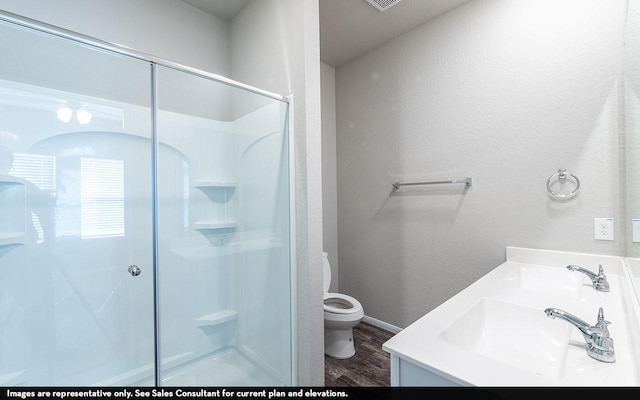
(134, 270)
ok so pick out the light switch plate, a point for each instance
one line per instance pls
(603, 228)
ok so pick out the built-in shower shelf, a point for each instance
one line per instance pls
(216, 191)
(214, 225)
(210, 184)
(7, 183)
(8, 180)
(9, 239)
(217, 318)
(219, 233)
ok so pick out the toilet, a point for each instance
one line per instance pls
(341, 314)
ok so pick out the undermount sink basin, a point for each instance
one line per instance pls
(544, 281)
(516, 335)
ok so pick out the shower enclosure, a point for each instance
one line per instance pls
(145, 220)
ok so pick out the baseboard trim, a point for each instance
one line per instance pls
(381, 324)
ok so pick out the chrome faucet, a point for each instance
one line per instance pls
(599, 281)
(599, 343)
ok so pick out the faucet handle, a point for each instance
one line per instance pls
(601, 282)
(601, 271)
(602, 323)
(601, 345)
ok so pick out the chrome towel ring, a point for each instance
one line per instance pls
(562, 176)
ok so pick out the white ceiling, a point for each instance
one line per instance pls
(351, 28)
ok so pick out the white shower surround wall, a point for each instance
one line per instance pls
(503, 91)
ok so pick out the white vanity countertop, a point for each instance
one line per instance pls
(495, 332)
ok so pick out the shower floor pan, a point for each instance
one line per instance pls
(227, 367)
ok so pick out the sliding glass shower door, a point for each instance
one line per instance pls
(144, 220)
(75, 213)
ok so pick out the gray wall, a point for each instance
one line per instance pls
(329, 171)
(276, 47)
(503, 91)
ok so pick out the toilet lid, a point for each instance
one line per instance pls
(339, 303)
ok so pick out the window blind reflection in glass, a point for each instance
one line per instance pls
(102, 198)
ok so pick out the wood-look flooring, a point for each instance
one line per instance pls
(368, 367)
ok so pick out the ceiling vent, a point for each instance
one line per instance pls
(383, 5)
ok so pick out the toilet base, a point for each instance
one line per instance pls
(338, 343)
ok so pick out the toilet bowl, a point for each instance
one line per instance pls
(341, 314)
